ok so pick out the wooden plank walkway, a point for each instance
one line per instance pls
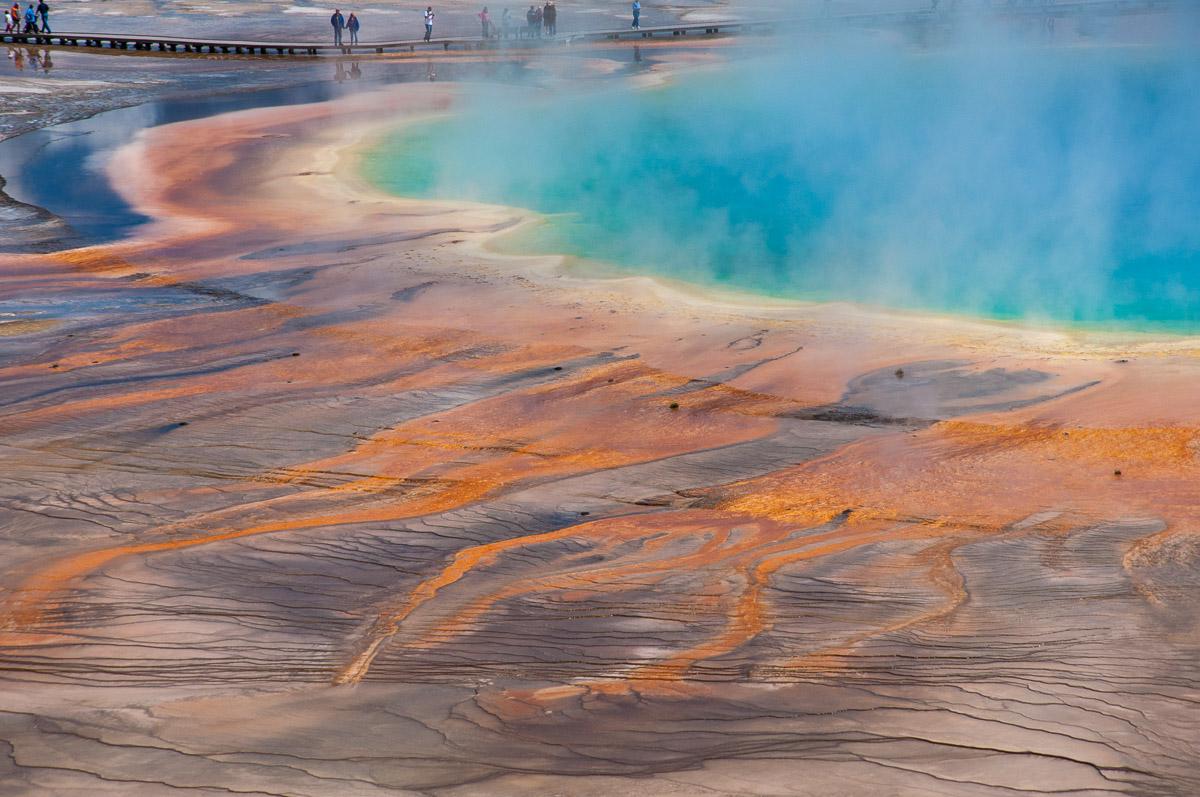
(925, 16)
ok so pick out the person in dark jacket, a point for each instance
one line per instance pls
(353, 25)
(43, 11)
(550, 18)
(339, 24)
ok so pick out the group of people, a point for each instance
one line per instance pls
(342, 25)
(32, 20)
(538, 21)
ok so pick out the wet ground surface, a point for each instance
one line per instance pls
(317, 499)
(314, 499)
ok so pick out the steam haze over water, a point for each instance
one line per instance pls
(1001, 180)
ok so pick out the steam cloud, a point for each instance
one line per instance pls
(995, 175)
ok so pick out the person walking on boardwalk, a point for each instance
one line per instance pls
(8, 20)
(30, 20)
(485, 22)
(428, 23)
(43, 11)
(637, 15)
(550, 18)
(339, 24)
(353, 25)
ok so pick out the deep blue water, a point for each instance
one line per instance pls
(1047, 185)
(62, 168)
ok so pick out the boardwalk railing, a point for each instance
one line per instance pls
(925, 16)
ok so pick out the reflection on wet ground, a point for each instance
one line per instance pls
(35, 59)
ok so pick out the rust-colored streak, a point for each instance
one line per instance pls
(475, 451)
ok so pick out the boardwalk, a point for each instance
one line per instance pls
(125, 41)
(922, 16)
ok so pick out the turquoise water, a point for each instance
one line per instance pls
(1058, 186)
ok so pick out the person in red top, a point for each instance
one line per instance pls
(485, 21)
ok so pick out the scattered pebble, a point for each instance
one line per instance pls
(674, 405)
(899, 373)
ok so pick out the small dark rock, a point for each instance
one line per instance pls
(558, 368)
(1116, 473)
(899, 373)
(674, 405)
(295, 354)
(183, 423)
(584, 514)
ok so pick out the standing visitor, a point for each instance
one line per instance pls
(550, 18)
(43, 11)
(428, 23)
(530, 21)
(485, 22)
(353, 25)
(339, 23)
(637, 15)
(537, 22)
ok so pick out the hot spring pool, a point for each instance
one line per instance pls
(1047, 185)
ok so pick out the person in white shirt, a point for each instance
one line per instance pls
(428, 23)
